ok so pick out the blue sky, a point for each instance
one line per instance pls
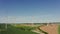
(22, 11)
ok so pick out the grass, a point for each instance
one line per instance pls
(14, 30)
(59, 29)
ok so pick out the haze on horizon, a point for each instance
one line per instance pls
(29, 11)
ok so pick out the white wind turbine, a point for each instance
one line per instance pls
(32, 21)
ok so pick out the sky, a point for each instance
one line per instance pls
(29, 11)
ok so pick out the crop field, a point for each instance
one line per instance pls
(59, 29)
(16, 30)
(22, 29)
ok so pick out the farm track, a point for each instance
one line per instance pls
(50, 29)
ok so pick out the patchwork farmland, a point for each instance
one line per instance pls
(29, 28)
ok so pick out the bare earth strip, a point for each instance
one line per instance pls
(50, 29)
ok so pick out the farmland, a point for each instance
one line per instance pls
(59, 29)
(15, 30)
(28, 29)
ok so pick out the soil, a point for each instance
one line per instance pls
(50, 29)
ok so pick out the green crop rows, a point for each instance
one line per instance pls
(15, 30)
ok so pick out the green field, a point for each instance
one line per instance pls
(14, 30)
(59, 29)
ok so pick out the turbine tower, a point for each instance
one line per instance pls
(32, 21)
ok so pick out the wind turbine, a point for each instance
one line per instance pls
(32, 21)
(6, 26)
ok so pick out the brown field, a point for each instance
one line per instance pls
(50, 29)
